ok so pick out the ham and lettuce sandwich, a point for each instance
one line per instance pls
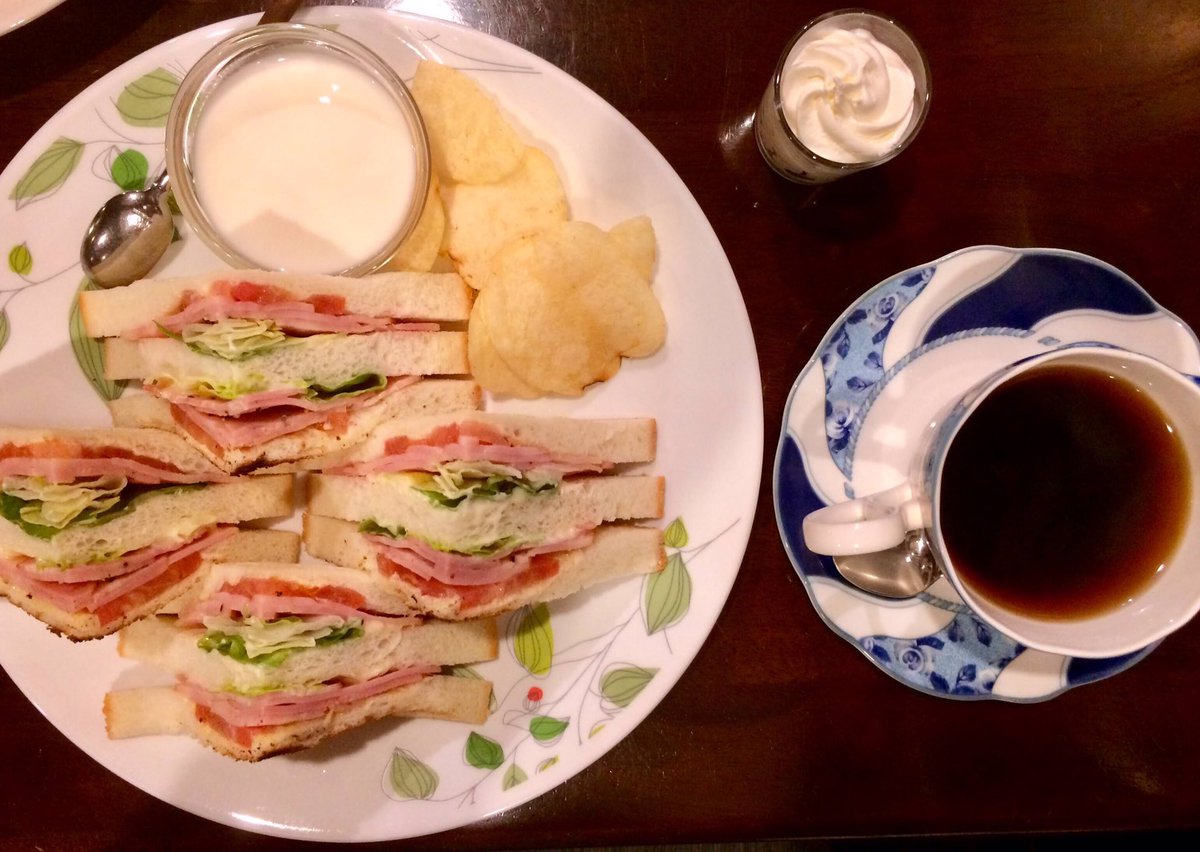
(269, 659)
(102, 527)
(259, 369)
(476, 513)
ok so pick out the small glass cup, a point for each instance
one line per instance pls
(777, 139)
(220, 64)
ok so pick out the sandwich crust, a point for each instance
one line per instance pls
(422, 296)
(276, 545)
(162, 710)
(617, 441)
(385, 645)
(287, 451)
(580, 503)
(618, 550)
(156, 517)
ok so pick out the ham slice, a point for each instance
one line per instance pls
(470, 599)
(294, 318)
(66, 461)
(454, 569)
(264, 400)
(320, 314)
(94, 595)
(280, 708)
(282, 417)
(470, 441)
(93, 571)
(272, 597)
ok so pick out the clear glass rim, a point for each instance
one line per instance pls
(207, 73)
(922, 102)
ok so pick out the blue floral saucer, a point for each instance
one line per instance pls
(894, 358)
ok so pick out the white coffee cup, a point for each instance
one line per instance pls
(1165, 601)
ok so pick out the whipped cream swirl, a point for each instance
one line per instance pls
(847, 96)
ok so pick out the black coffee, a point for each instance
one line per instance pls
(1063, 493)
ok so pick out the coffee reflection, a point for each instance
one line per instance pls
(1064, 493)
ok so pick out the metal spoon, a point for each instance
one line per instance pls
(131, 232)
(128, 236)
(903, 571)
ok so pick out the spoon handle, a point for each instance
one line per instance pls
(278, 11)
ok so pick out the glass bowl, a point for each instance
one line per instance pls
(778, 140)
(293, 147)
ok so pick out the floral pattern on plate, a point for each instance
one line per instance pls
(907, 347)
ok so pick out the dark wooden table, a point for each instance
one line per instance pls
(1070, 124)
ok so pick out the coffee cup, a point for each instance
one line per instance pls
(1058, 497)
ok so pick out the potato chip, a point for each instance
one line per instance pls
(636, 238)
(547, 342)
(605, 282)
(564, 304)
(480, 218)
(470, 141)
(488, 368)
(420, 249)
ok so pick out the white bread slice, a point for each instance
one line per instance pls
(577, 504)
(162, 710)
(144, 443)
(439, 297)
(248, 547)
(327, 359)
(386, 645)
(614, 440)
(156, 518)
(618, 551)
(275, 545)
(282, 453)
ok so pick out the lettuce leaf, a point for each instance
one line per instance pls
(505, 544)
(456, 482)
(269, 643)
(249, 383)
(241, 386)
(231, 339)
(57, 504)
(42, 511)
(362, 383)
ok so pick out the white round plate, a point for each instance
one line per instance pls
(855, 415)
(18, 13)
(617, 650)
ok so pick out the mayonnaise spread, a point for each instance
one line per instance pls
(304, 162)
(847, 96)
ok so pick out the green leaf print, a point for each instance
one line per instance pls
(513, 776)
(20, 260)
(668, 595)
(533, 644)
(676, 534)
(48, 172)
(547, 728)
(483, 752)
(89, 353)
(4, 329)
(130, 169)
(146, 101)
(622, 685)
(409, 778)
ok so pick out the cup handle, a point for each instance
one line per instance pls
(868, 524)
